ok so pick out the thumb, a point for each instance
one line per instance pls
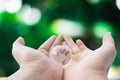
(17, 47)
(107, 39)
(19, 41)
(108, 49)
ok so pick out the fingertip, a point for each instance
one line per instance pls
(60, 37)
(53, 36)
(68, 40)
(57, 41)
(19, 40)
(78, 40)
(66, 37)
(48, 43)
(107, 34)
(107, 38)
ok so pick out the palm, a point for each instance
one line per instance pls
(39, 59)
(84, 59)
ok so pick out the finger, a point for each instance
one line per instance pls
(16, 50)
(72, 45)
(58, 41)
(64, 43)
(19, 41)
(107, 39)
(81, 45)
(107, 50)
(47, 44)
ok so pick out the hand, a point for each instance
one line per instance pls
(89, 64)
(36, 64)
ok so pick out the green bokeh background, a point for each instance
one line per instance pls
(76, 10)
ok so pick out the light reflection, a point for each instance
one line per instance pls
(2, 6)
(101, 27)
(114, 73)
(67, 27)
(28, 15)
(118, 4)
(11, 6)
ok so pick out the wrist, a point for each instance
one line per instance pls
(21, 74)
(26, 73)
(85, 75)
(94, 75)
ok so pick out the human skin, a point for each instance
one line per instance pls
(36, 64)
(89, 64)
(85, 64)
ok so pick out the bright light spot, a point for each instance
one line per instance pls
(13, 6)
(101, 27)
(29, 16)
(114, 73)
(66, 27)
(118, 3)
(2, 78)
(2, 6)
(93, 1)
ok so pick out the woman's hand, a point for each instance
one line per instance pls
(36, 64)
(89, 64)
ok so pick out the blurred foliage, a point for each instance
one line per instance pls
(35, 35)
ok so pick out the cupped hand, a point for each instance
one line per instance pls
(36, 64)
(89, 64)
